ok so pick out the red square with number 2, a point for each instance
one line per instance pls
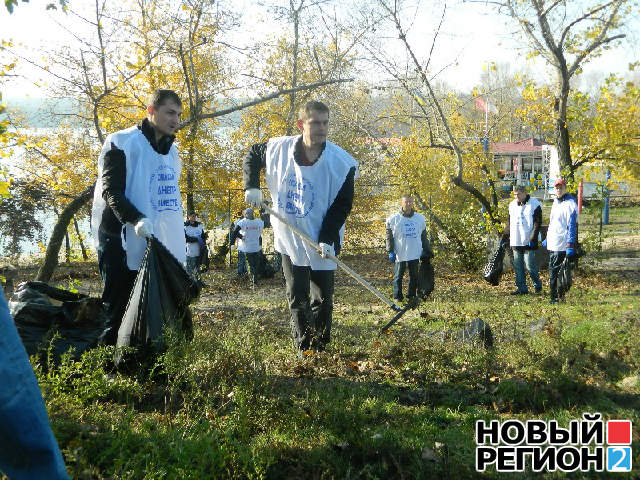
(619, 431)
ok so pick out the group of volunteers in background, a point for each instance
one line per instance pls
(311, 184)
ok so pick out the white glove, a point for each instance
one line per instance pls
(327, 250)
(253, 196)
(144, 228)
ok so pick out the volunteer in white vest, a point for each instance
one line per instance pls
(521, 231)
(137, 196)
(406, 244)
(310, 181)
(562, 235)
(248, 232)
(194, 236)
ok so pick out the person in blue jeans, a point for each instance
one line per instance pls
(521, 233)
(406, 242)
(28, 449)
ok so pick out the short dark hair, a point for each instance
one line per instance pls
(161, 96)
(519, 188)
(407, 196)
(312, 106)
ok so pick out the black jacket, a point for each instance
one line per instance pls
(256, 159)
(114, 177)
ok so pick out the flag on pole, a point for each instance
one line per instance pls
(485, 106)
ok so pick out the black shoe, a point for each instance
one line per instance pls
(538, 290)
(413, 302)
(553, 301)
(398, 299)
(518, 292)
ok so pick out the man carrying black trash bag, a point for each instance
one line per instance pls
(562, 235)
(136, 197)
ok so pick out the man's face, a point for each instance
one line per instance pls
(192, 218)
(560, 190)
(166, 117)
(407, 204)
(315, 128)
(520, 195)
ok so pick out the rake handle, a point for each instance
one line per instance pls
(338, 262)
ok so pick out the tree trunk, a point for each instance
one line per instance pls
(561, 127)
(85, 257)
(55, 242)
(477, 194)
(67, 248)
(193, 132)
(67, 242)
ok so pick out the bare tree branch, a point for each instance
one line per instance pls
(262, 99)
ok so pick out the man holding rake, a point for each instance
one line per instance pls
(311, 183)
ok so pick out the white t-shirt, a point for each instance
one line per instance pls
(193, 248)
(152, 187)
(250, 231)
(303, 195)
(407, 235)
(521, 221)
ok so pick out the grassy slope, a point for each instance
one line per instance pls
(236, 403)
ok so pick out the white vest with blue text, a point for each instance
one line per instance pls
(521, 221)
(407, 235)
(152, 187)
(302, 195)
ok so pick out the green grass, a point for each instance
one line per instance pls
(237, 403)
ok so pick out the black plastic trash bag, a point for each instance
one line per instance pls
(159, 299)
(41, 313)
(476, 331)
(564, 277)
(265, 269)
(203, 259)
(426, 278)
(493, 268)
(266, 218)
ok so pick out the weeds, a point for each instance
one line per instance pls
(236, 403)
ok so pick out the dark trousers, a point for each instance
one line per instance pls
(117, 281)
(555, 262)
(310, 295)
(398, 273)
(254, 265)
